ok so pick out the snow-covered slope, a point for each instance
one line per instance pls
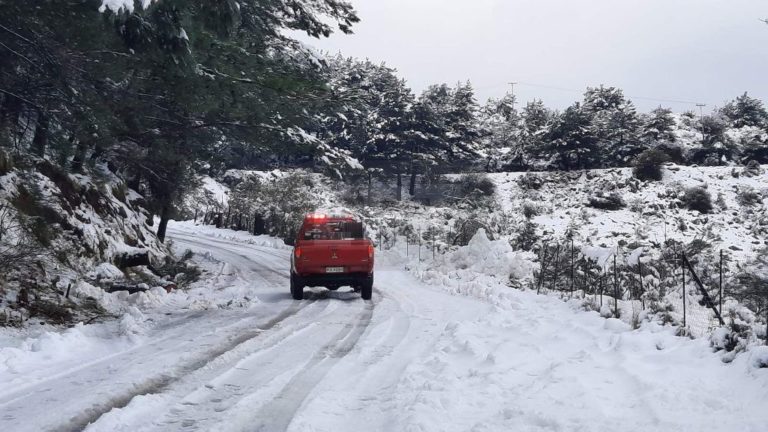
(76, 228)
(653, 211)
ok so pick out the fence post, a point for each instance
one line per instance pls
(682, 266)
(543, 267)
(557, 267)
(433, 248)
(721, 282)
(419, 234)
(642, 288)
(572, 270)
(615, 287)
(406, 245)
(602, 280)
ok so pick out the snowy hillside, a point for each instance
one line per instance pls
(62, 232)
(654, 211)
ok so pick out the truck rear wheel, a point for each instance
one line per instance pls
(366, 289)
(297, 289)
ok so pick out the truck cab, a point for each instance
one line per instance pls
(332, 251)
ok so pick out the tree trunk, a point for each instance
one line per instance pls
(412, 184)
(78, 160)
(370, 185)
(165, 215)
(399, 186)
(10, 107)
(135, 182)
(40, 140)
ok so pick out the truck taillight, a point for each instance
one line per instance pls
(297, 252)
(370, 251)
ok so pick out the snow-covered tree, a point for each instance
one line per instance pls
(615, 123)
(571, 142)
(658, 126)
(715, 148)
(746, 111)
(537, 120)
(500, 122)
(462, 119)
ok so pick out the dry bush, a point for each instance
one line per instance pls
(530, 182)
(612, 201)
(749, 197)
(16, 248)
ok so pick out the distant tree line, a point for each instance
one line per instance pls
(385, 127)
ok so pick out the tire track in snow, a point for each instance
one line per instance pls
(240, 253)
(277, 414)
(161, 382)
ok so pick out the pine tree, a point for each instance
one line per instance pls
(615, 124)
(571, 142)
(465, 132)
(659, 126)
(716, 147)
(746, 111)
(499, 123)
(537, 122)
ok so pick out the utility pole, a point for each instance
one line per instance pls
(701, 118)
(513, 84)
(701, 110)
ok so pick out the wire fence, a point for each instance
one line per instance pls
(684, 285)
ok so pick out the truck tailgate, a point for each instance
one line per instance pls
(341, 255)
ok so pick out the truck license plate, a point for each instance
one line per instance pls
(334, 269)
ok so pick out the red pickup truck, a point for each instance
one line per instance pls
(332, 251)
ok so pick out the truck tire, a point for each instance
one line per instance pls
(366, 289)
(297, 289)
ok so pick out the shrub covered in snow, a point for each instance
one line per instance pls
(698, 198)
(472, 190)
(488, 257)
(648, 165)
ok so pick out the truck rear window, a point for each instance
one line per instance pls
(346, 230)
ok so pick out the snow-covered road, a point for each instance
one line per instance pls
(416, 358)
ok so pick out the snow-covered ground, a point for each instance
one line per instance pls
(652, 213)
(433, 351)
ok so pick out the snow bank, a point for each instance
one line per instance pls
(36, 357)
(195, 229)
(483, 269)
(758, 357)
(116, 5)
(487, 257)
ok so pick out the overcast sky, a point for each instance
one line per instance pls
(705, 51)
